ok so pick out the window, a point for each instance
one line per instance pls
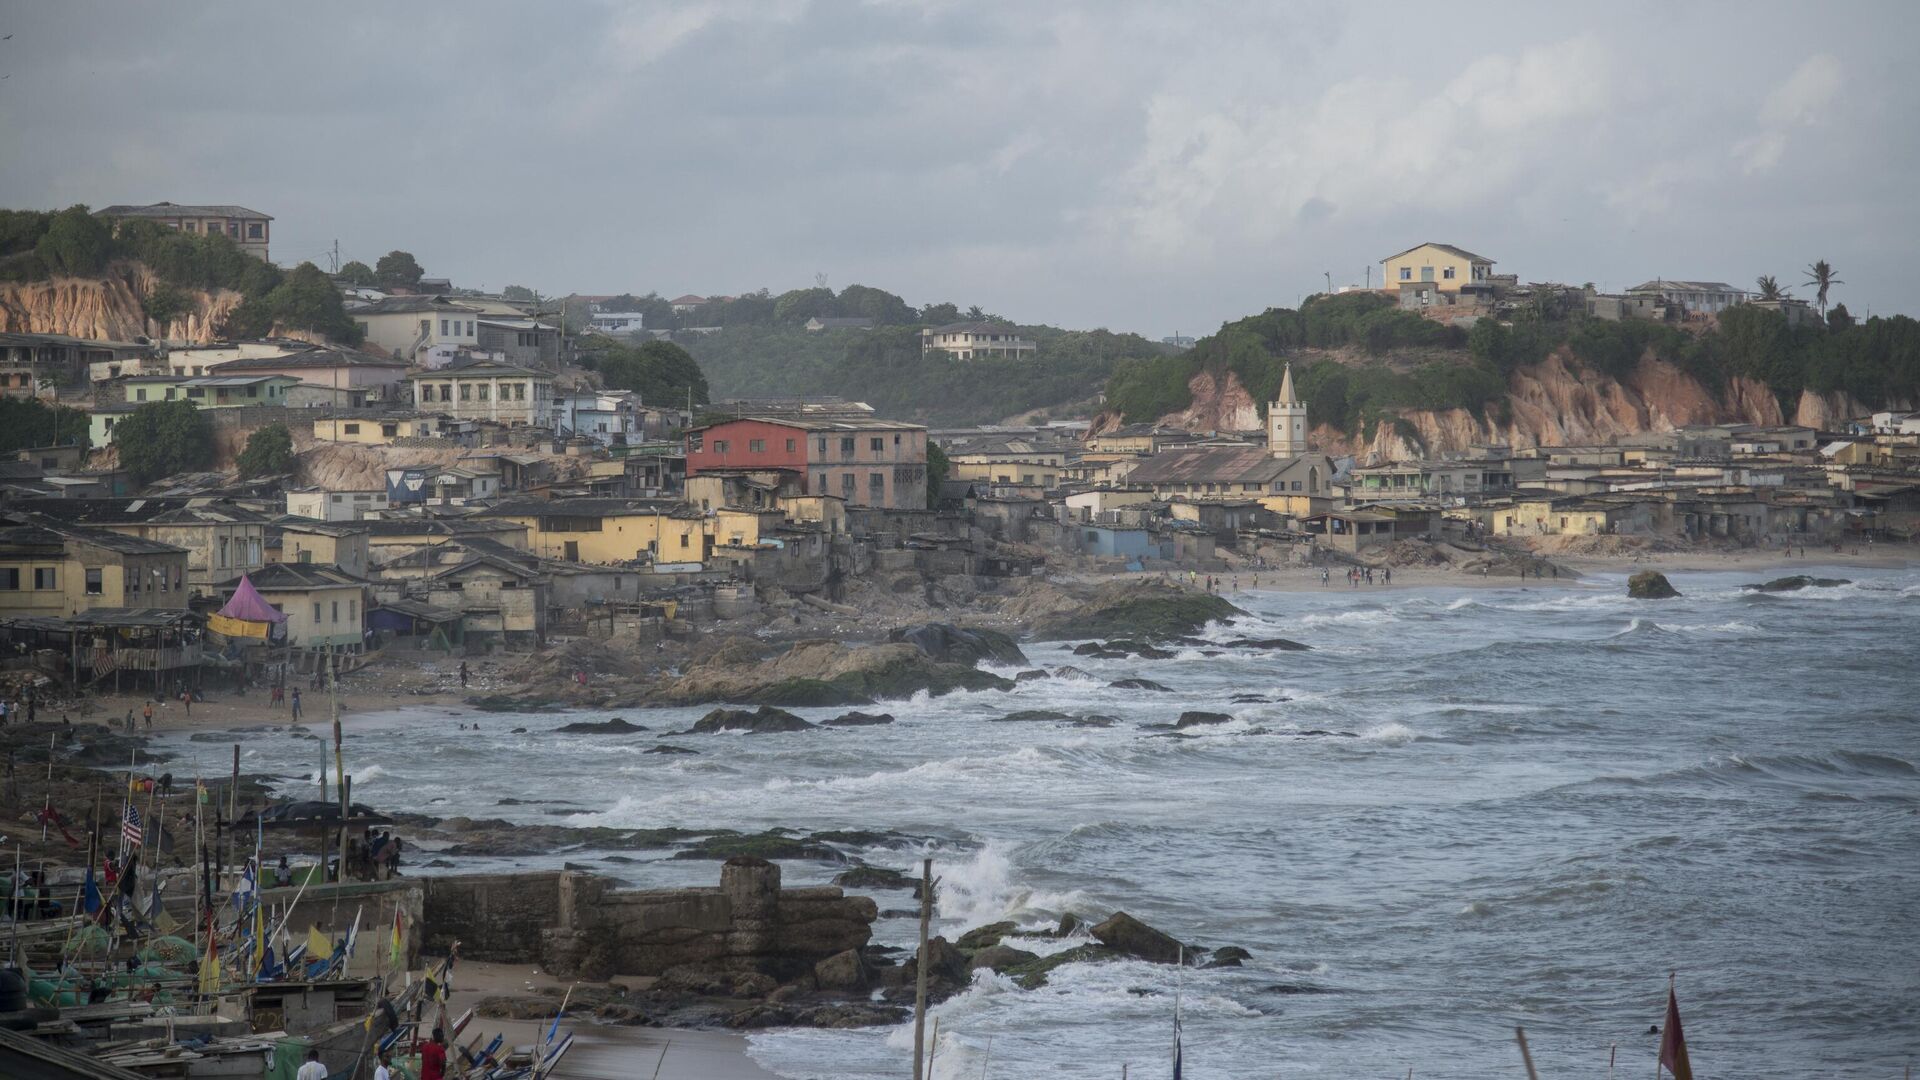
(823, 446)
(336, 612)
(519, 391)
(684, 542)
(140, 394)
(1406, 273)
(223, 551)
(789, 446)
(9, 579)
(256, 231)
(876, 486)
(233, 229)
(846, 447)
(388, 431)
(469, 327)
(353, 607)
(446, 391)
(354, 429)
(316, 613)
(426, 391)
(485, 391)
(719, 446)
(192, 226)
(443, 328)
(896, 440)
(466, 391)
(95, 587)
(1296, 485)
(846, 484)
(757, 446)
(876, 444)
(1447, 274)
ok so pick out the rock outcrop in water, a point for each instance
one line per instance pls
(1134, 611)
(1798, 582)
(956, 645)
(766, 720)
(813, 673)
(1651, 585)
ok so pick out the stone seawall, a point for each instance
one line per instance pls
(579, 925)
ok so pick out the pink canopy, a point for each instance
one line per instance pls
(247, 605)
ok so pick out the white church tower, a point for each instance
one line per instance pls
(1287, 421)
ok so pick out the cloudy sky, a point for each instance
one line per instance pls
(1143, 166)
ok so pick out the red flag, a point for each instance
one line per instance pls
(1673, 1045)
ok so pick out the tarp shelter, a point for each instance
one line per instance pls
(246, 614)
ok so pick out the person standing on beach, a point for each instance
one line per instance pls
(296, 703)
(312, 1070)
(384, 1070)
(433, 1057)
(147, 711)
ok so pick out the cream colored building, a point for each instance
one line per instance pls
(51, 568)
(486, 390)
(1448, 267)
(370, 430)
(250, 229)
(406, 327)
(976, 340)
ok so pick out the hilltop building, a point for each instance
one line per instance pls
(250, 229)
(1287, 421)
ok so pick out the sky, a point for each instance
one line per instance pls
(1153, 167)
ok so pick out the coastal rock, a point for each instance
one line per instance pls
(1068, 924)
(1197, 718)
(514, 1007)
(1031, 716)
(844, 972)
(767, 845)
(1125, 934)
(1229, 956)
(1000, 958)
(1068, 671)
(858, 719)
(821, 673)
(955, 645)
(669, 748)
(1095, 720)
(877, 877)
(1140, 684)
(1139, 610)
(1650, 585)
(1797, 582)
(1278, 644)
(765, 720)
(615, 726)
(981, 937)
(1138, 648)
(1032, 675)
(1033, 974)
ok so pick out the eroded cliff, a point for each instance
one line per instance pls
(109, 307)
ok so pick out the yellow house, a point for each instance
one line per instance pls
(50, 568)
(344, 546)
(1564, 516)
(614, 530)
(324, 605)
(370, 430)
(1448, 267)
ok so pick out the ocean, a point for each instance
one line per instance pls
(1466, 809)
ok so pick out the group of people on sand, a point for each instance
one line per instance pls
(1360, 575)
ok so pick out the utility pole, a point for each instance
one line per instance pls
(920, 969)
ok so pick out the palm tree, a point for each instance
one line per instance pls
(1769, 288)
(1820, 276)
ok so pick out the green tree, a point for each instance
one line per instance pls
(28, 422)
(161, 438)
(884, 308)
(304, 300)
(359, 273)
(163, 304)
(661, 372)
(939, 314)
(1839, 318)
(938, 469)
(1769, 287)
(398, 268)
(269, 452)
(1822, 277)
(75, 243)
(799, 305)
(519, 294)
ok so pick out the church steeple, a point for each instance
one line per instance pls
(1287, 421)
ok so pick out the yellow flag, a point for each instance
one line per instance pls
(259, 940)
(210, 968)
(319, 946)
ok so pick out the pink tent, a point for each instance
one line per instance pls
(248, 606)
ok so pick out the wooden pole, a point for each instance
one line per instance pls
(933, 1047)
(986, 1059)
(233, 804)
(1520, 1036)
(920, 970)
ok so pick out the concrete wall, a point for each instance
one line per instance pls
(580, 926)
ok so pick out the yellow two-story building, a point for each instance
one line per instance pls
(54, 569)
(1446, 266)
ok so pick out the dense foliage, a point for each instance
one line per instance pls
(885, 368)
(25, 422)
(269, 452)
(161, 438)
(1406, 365)
(359, 273)
(661, 372)
(35, 245)
(398, 268)
(938, 469)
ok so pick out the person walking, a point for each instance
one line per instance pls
(296, 703)
(312, 1070)
(433, 1058)
(147, 711)
(463, 674)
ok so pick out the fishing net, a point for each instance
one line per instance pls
(172, 951)
(91, 943)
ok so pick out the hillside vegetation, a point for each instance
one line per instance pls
(763, 350)
(37, 245)
(1406, 362)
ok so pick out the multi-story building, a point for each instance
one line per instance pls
(48, 567)
(1449, 268)
(1696, 297)
(486, 390)
(250, 229)
(878, 463)
(221, 538)
(405, 327)
(975, 340)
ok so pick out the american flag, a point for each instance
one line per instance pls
(130, 826)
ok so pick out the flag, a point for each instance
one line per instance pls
(397, 951)
(130, 826)
(91, 903)
(319, 946)
(248, 890)
(210, 964)
(1673, 1044)
(260, 956)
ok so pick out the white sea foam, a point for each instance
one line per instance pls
(982, 888)
(1391, 734)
